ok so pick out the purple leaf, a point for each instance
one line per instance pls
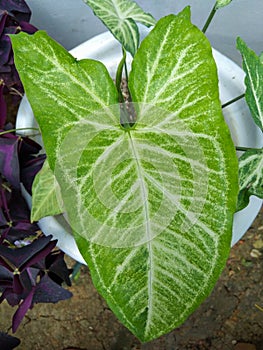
(22, 310)
(15, 222)
(16, 8)
(23, 257)
(27, 148)
(3, 109)
(6, 278)
(9, 165)
(57, 268)
(29, 170)
(47, 291)
(14, 17)
(8, 342)
(27, 27)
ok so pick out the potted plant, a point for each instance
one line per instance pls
(149, 184)
(32, 270)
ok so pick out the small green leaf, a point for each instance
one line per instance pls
(250, 176)
(46, 196)
(120, 17)
(253, 68)
(222, 3)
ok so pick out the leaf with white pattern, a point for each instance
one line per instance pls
(250, 176)
(61, 90)
(253, 68)
(120, 17)
(46, 196)
(222, 3)
(157, 252)
(151, 207)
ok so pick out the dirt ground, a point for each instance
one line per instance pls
(230, 319)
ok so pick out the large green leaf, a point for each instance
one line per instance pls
(253, 68)
(250, 176)
(120, 17)
(151, 207)
(61, 90)
(156, 202)
(46, 196)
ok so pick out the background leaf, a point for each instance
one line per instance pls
(222, 3)
(253, 68)
(46, 197)
(250, 176)
(120, 17)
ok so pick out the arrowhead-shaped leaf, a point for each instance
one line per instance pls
(120, 17)
(253, 68)
(156, 202)
(250, 176)
(46, 196)
(151, 207)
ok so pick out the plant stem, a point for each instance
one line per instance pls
(76, 271)
(244, 149)
(209, 19)
(126, 72)
(18, 129)
(258, 307)
(119, 76)
(233, 100)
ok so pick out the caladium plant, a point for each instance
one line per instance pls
(251, 162)
(150, 190)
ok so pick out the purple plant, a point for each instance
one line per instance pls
(8, 342)
(31, 269)
(14, 17)
(32, 274)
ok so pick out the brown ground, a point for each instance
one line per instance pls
(229, 317)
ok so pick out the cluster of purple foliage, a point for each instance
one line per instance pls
(14, 17)
(31, 270)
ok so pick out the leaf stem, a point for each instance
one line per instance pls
(76, 271)
(18, 129)
(119, 76)
(126, 72)
(209, 19)
(258, 307)
(233, 100)
(244, 149)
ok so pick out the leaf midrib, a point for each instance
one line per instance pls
(148, 230)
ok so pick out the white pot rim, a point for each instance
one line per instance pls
(244, 132)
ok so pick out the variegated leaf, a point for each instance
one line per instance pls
(120, 17)
(250, 176)
(46, 196)
(151, 207)
(61, 90)
(253, 68)
(159, 213)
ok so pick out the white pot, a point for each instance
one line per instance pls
(243, 130)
